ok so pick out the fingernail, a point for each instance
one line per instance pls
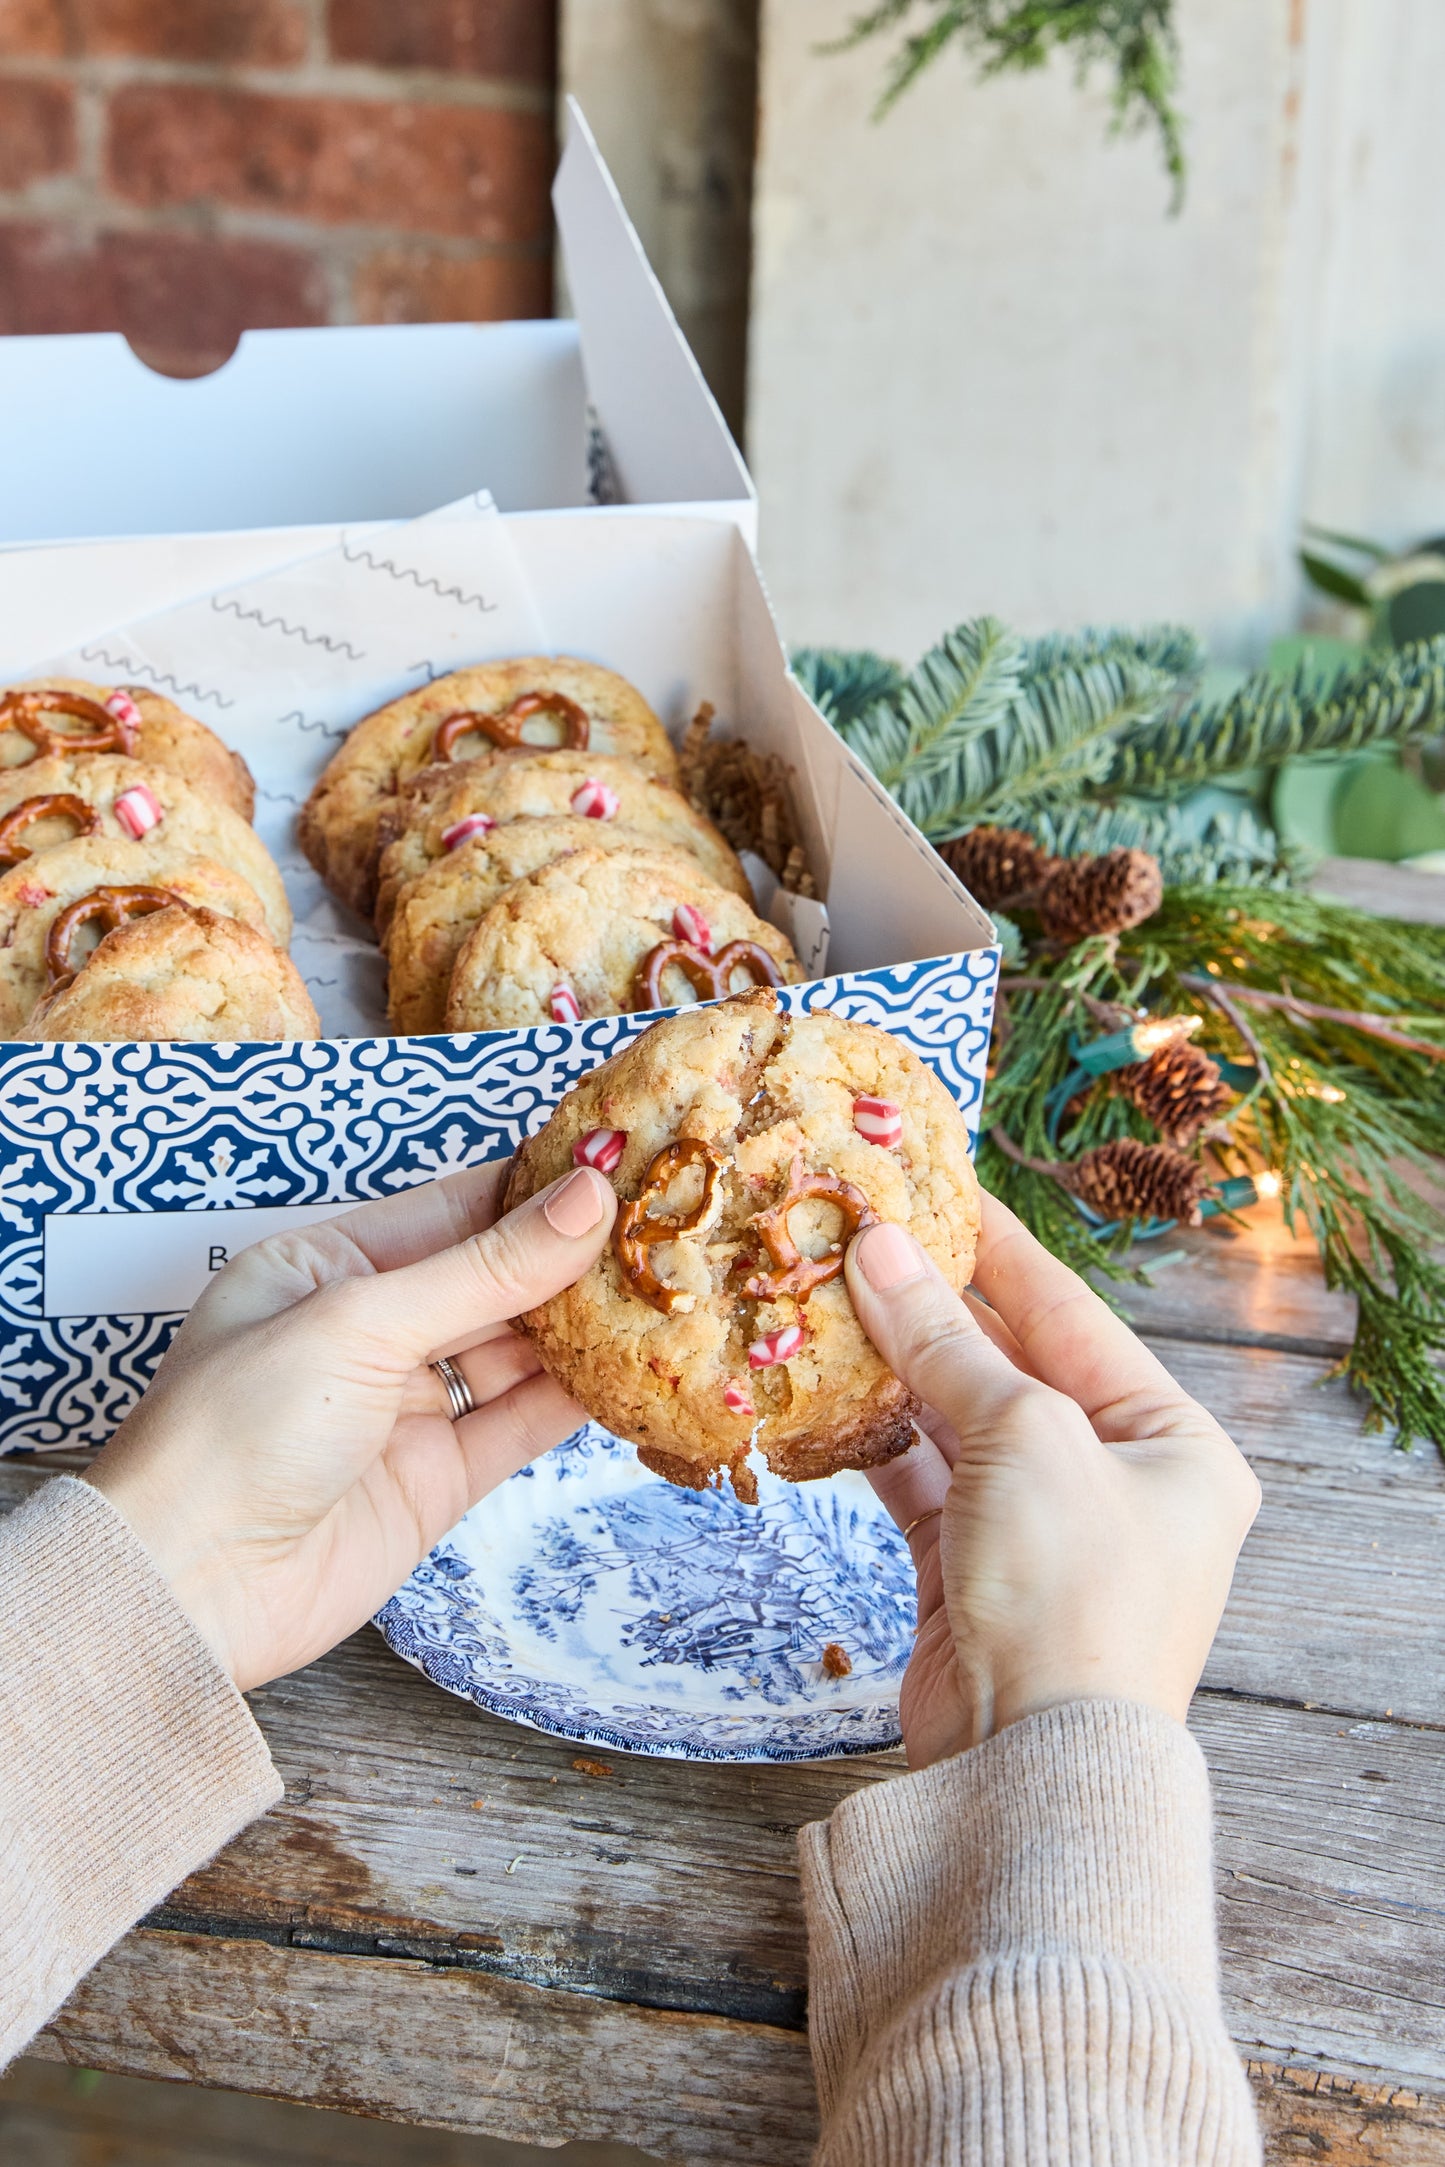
(575, 1205)
(889, 1257)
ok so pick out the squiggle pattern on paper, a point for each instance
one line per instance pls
(161, 679)
(232, 608)
(406, 572)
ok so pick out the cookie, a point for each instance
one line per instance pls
(602, 933)
(605, 792)
(182, 973)
(436, 912)
(56, 798)
(38, 948)
(536, 701)
(732, 1327)
(46, 716)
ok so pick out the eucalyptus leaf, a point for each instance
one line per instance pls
(1332, 579)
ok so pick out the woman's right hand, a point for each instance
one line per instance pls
(1075, 1516)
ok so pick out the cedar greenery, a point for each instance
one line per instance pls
(1330, 1023)
(1136, 37)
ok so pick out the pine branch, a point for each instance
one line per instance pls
(1231, 846)
(844, 682)
(1384, 699)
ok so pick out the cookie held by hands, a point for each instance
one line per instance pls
(747, 1146)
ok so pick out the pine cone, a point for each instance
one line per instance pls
(1130, 1180)
(995, 864)
(1178, 1088)
(1100, 895)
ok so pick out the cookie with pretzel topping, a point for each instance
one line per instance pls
(747, 1146)
(601, 933)
(39, 949)
(436, 913)
(46, 717)
(65, 795)
(181, 972)
(528, 705)
(443, 806)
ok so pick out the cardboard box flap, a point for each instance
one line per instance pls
(664, 432)
(377, 421)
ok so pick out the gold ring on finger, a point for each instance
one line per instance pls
(936, 1513)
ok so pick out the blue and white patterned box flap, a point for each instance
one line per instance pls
(202, 1132)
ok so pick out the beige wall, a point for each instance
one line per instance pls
(987, 370)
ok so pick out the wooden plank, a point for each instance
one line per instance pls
(1332, 1888)
(1336, 1599)
(406, 2042)
(1258, 1285)
(51, 2116)
(1337, 2121)
(1390, 891)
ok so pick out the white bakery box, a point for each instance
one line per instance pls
(262, 544)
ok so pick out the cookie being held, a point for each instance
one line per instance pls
(50, 918)
(603, 933)
(443, 802)
(49, 717)
(182, 972)
(58, 798)
(524, 706)
(747, 1146)
(436, 913)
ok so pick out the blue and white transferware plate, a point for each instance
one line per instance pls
(590, 1599)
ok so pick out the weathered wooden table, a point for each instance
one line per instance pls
(447, 1921)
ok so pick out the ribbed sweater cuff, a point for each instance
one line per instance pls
(130, 1758)
(1080, 1833)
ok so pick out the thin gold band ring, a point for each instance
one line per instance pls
(935, 1514)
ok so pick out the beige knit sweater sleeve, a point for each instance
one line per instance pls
(128, 1755)
(1013, 1957)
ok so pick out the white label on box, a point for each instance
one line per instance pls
(153, 1263)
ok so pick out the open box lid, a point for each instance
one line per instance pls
(361, 422)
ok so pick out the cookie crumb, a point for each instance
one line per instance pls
(837, 1662)
(585, 1767)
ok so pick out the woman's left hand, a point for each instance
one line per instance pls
(294, 1458)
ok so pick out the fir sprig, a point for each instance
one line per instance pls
(1383, 699)
(1105, 729)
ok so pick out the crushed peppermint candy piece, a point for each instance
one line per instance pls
(462, 831)
(689, 924)
(595, 801)
(120, 704)
(738, 1399)
(138, 810)
(601, 1148)
(562, 1004)
(775, 1347)
(878, 1121)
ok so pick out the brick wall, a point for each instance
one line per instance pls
(181, 170)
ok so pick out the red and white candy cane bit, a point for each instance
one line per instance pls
(138, 810)
(775, 1347)
(120, 704)
(878, 1121)
(689, 924)
(602, 1148)
(462, 831)
(595, 801)
(738, 1400)
(562, 1005)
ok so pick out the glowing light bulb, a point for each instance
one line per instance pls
(1267, 1185)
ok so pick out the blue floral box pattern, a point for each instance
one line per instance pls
(216, 1128)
